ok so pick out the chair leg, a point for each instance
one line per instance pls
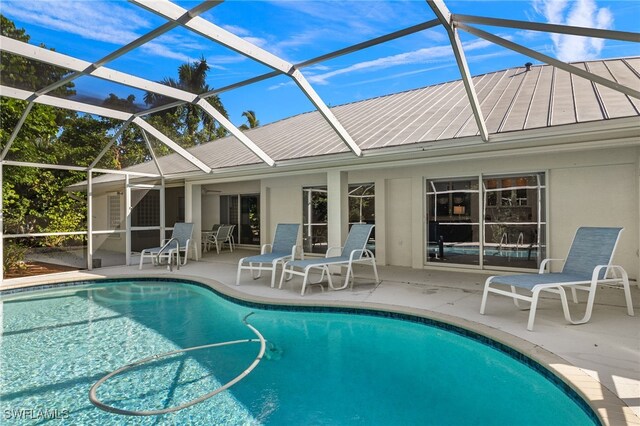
(274, 266)
(574, 295)
(485, 293)
(304, 281)
(255, 277)
(141, 259)
(284, 270)
(239, 271)
(375, 271)
(627, 292)
(534, 306)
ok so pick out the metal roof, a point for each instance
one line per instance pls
(511, 100)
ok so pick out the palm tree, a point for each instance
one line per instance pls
(251, 120)
(194, 124)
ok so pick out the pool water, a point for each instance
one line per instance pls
(320, 368)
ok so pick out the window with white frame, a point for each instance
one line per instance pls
(487, 221)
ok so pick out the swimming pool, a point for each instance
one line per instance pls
(329, 366)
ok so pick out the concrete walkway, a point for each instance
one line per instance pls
(600, 359)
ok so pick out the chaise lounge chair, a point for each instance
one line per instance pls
(587, 265)
(354, 251)
(180, 241)
(282, 250)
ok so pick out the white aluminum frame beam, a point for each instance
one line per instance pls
(109, 113)
(16, 130)
(59, 59)
(171, 144)
(152, 152)
(444, 16)
(551, 28)
(77, 168)
(549, 60)
(223, 37)
(325, 57)
(111, 142)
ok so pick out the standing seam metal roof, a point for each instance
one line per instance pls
(511, 100)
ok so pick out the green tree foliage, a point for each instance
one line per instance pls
(191, 125)
(252, 121)
(34, 199)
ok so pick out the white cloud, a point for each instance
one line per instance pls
(580, 13)
(108, 22)
(425, 55)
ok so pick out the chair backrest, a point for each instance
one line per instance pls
(591, 247)
(357, 238)
(182, 231)
(224, 232)
(285, 238)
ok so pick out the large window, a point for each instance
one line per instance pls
(243, 211)
(314, 215)
(487, 221)
(314, 219)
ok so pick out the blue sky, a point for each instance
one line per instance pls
(299, 30)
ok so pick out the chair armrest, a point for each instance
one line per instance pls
(264, 248)
(352, 255)
(545, 262)
(332, 248)
(294, 249)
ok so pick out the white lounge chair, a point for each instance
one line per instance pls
(354, 251)
(282, 250)
(587, 265)
(180, 241)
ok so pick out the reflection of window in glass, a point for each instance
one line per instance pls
(453, 221)
(362, 203)
(314, 219)
(243, 211)
(362, 208)
(514, 230)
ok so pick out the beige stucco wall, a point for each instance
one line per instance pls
(587, 188)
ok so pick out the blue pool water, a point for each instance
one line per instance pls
(321, 368)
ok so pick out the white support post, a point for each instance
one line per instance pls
(265, 214)
(163, 216)
(337, 207)
(418, 219)
(127, 212)
(381, 220)
(193, 211)
(89, 220)
(223, 37)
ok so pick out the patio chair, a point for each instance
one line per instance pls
(205, 236)
(587, 265)
(181, 241)
(282, 250)
(221, 236)
(354, 251)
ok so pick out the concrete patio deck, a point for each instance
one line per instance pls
(601, 359)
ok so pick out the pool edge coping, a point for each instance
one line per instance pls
(608, 407)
